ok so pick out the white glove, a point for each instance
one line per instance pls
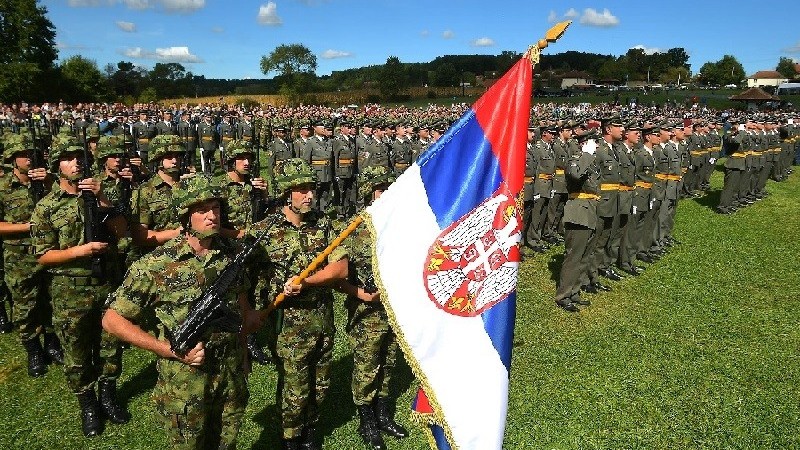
(589, 147)
(740, 127)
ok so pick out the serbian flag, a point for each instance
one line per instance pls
(446, 255)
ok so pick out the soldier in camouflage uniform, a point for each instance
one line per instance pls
(153, 220)
(6, 325)
(77, 292)
(201, 396)
(304, 322)
(374, 344)
(23, 275)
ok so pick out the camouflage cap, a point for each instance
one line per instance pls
(236, 148)
(294, 172)
(194, 189)
(165, 143)
(15, 143)
(63, 143)
(109, 146)
(372, 177)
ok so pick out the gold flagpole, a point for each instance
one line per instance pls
(552, 35)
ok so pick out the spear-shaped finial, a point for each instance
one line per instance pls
(552, 35)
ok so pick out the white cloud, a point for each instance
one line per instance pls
(268, 15)
(333, 54)
(648, 50)
(552, 17)
(448, 34)
(571, 13)
(83, 3)
(167, 54)
(483, 42)
(65, 46)
(128, 27)
(183, 6)
(217, 30)
(593, 18)
(424, 33)
(793, 49)
(137, 4)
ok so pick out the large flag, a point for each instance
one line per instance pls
(447, 236)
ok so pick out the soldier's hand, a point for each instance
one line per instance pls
(259, 183)
(126, 173)
(196, 356)
(37, 174)
(365, 296)
(89, 184)
(93, 248)
(136, 161)
(290, 288)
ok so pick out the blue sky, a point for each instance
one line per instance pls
(226, 38)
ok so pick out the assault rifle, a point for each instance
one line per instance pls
(37, 187)
(256, 196)
(209, 311)
(91, 220)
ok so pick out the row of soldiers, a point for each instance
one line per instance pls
(609, 188)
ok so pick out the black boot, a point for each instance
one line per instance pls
(256, 352)
(291, 444)
(307, 441)
(91, 421)
(37, 361)
(6, 326)
(368, 428)
(53, 349)
(385, 420)
(115, 412)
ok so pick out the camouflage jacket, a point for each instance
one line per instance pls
(287, 250)
(169, 279)
(16, 206)
(152, 205)
(239, 205)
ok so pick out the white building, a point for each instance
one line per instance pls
(766, 78)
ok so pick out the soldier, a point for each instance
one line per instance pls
(153, 220)
(304, 322)
(319, 153)
(207, 133)
(278, 151)
(373, 342)
(377, 150)
(344, 157)
(187, 130)
(226, 132)
(644, 201)
(363, 139)
(555, 208)
(544, 167)
(165, 126)
(402, 152)
(23, 275)
(201, 396)
(143, 132)
(627, 191)
(422, 142)
(299, 144)
(78, 292)
(608, 207)
(244, 129)
(580, 220)
(668, 167)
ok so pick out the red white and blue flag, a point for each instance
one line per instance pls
(447, 236)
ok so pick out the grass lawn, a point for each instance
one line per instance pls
(700, 352)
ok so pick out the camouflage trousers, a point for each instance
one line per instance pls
(374, 350)
(33, 314)
(304, 347)
(203, 407)
(90, 354)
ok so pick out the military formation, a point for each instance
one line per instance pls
(114, 220)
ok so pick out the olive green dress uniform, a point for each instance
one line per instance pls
(142, 132)
(644, 206)
(303, 323)
(277, 152)
(714, 146)
(544, 167)
(621, 248)
(202, 407)
(607, 207)
(318, 152)
(676, 179)
(207, 134)
(580, 221)
(661, 194)
(555, 208)
(344, 156)
(376, 153)
(188, 133)
(402, 155)
(78, 297)
(735, 169)
(23, 275)
(697, 159)
(164, 127)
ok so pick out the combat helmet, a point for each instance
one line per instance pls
(165, 143)
(63, 143)
(192, 190)
(292, 173)
(109, 146)
(372, 177)
(15, 143)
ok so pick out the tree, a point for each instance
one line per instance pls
(166, 79)
(445, 75)
(27, 49)
(786, 66)
(393, 78)
(727, 70)
(294, 64)
(83, 81)
(126, 81)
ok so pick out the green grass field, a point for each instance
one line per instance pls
(700, 352)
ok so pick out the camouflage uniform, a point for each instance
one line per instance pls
(304, 323)
(238, 196)
(78, 297)
(23, 275)
(202, 407)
